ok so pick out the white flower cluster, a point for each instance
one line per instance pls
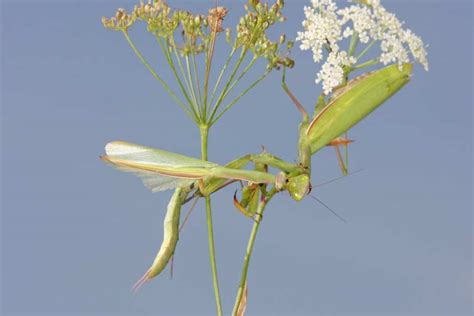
(326, 25)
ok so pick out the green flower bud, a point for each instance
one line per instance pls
(253, 3)
(289, 63)
(197, 21)
(282, 39)
(228, 34)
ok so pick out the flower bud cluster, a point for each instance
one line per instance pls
(215, 18)
(156, 15)
(252, 28)
(196, 30)
(121, 21)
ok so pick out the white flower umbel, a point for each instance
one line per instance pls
(325, 33)
(367, 22)
(332, 71)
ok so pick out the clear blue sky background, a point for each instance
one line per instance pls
(76, 234)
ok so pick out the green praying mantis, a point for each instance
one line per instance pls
(193, 178)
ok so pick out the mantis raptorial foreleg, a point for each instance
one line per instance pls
(213, 184)
(249, 200)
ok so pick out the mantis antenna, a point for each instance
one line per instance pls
(328, 182)
(336, 179)
(328, 208)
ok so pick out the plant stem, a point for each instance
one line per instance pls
(366, 49)
(221, 74)
(231, 104)
(204, 129)
(193, 91)
(183, 73)
(353, 44)
(248, 253)
(236, 81)
(153, 72)
(230, 80)
(198, 86)
(169, 59)
(366, 64)
(209, 55)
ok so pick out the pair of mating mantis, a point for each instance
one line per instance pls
(192, 178)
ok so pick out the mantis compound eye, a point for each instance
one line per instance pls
(298, 186)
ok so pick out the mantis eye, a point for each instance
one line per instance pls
(298, 186)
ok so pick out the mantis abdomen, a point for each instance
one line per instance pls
(170, 238)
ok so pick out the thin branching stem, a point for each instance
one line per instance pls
(191, 82)
(170, 61)
(366, 49)
(198, 86)
(353, 44)
(242, 74)
(185, 77)
(231, 104)
(221, 74)
(209, 55)
(366, 64)
(231, 78)
(155, 74)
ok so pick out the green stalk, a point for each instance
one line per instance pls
(353, 44)
(234, 72)
(198, 86)
(248, 253)
(209, 55)
(368, 63)
(204, 129)
(236, 81)
(221, 74)
(170, 61)
(366, 49)
(231, 104)
(183, 73)
(191, 82)
(153, 72)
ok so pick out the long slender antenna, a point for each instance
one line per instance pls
(327, 207)
(336, 179)
(186, 218)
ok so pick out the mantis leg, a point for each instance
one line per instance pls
(212, 184)
(292, 96)
(336, 143)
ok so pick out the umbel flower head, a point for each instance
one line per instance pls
(196, 31)
(365, 21)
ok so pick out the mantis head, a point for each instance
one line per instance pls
(298, 186)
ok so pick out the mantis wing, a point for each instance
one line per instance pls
(159, 170)
(162, 170)
(361, 96)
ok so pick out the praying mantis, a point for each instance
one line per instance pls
(192, 178)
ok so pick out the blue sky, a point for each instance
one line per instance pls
(76, 234)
